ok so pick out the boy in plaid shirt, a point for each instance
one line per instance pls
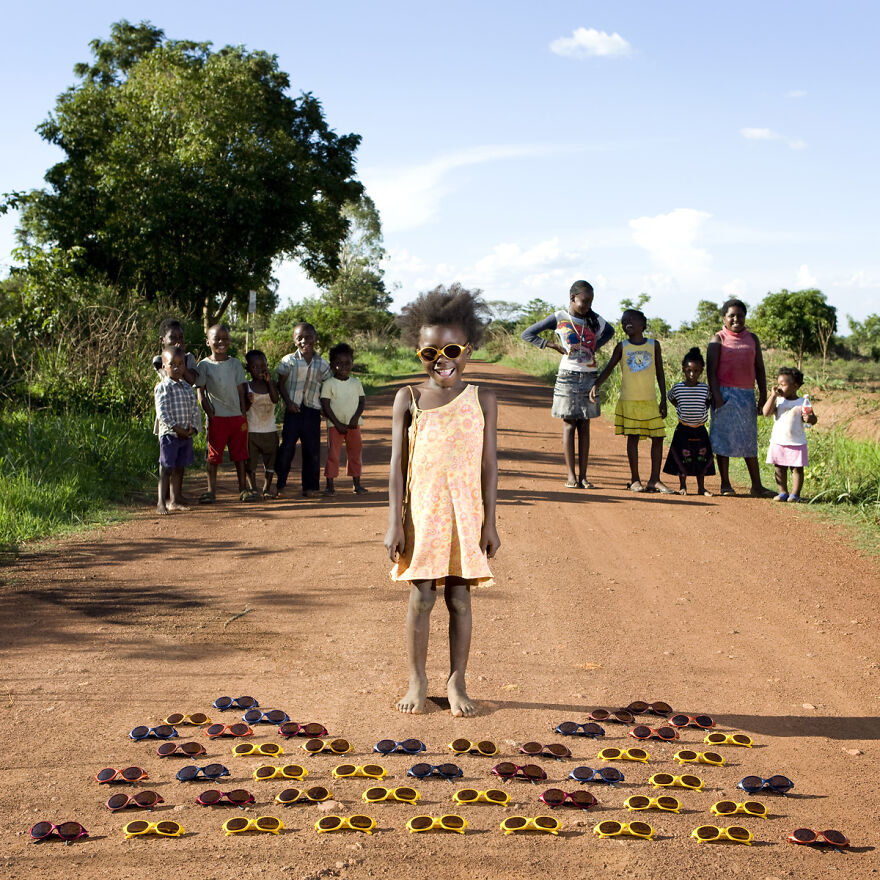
(177, 420)
(299, 380)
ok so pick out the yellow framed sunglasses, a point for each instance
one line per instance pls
(449, 822)
(667, 780)
(288, 771)
(466, 746)
(689, 756)
(405, 794)
(731, 808)
(268, 749)
(664, 802)
(610, 828)
(197, 719)
(165, 828)
(430, 353)
(370, 771)
(736, 833)
(316, 794)
(729, 739)
(624, 755)
(356, 822)
(547, 824)
(337, 746)
(240, 824)
(489, 796)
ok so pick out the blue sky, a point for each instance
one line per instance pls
(688, 150)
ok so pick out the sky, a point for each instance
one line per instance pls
(687, 150)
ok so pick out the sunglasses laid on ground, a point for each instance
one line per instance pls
(165, 828)
(240, 750)
(273, 716)
(572, 728)
(551, 750)
(642, 731)
(408, 746)
(508, 770)
(238, 797)
(144, 799)
(806, 837)
(736, 833)
(239, 824)
(731, 808)
(378, 793)
(449, 822)
(161, 731)
(689, 756)
(664, 802)
(667, 780)
(311, 730)
(610, 775)
(224, 703)
(187, 749)
(624, 755)
(338, 823)
(127, 774)
(371, 771)
(701, 721)
(316, 794)
(238, 729)
(624, 716)
(640, 707)
(197, 719)
(336, 746)
(444, 771)
(429, 353)
(778, 783)
(288, 771)
(489, 796)
(610, 828)
(467, 747)
(547, 824)
(556, 797)
(209, 771)
(67, 831)
(729, 739)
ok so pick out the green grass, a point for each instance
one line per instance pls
(377, 364)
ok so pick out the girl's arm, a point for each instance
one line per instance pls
(400, 420)
(661, 378)
(273, 388)
(769, 408)
(612, 363)
(530, 334)
(356, 418)
(713, 356)
(242, 398)
(489, 540)
(760, 374)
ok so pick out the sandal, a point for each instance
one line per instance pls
(207, 498)
(586, 484)
(572, 484)
(361, 490)
(635, 487)
(248, 495)
(682, 491)
(661, 488)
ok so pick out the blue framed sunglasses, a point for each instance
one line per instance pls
(408, 746)
(161, 731)
(209, 771)
(778, 783)
(610, 775)
(273, 716)
(445, 771)
(572, 728)
(224, 703)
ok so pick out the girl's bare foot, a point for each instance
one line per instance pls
(176, 505)
(460, 704)
(413, 701)
(162, 510)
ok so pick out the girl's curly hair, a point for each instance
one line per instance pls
(446, 307)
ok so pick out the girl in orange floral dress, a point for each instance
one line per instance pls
(443, 485)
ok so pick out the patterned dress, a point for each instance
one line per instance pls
(443, 505)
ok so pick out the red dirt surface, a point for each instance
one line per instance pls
(751, 611)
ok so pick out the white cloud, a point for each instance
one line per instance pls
(409, 197)
(669, 239)
(511, 257)
(796, 93)
(805, 279)
(863, 279)
(585, 42)
(767, 134)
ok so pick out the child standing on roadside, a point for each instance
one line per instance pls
(222, 389)
(343, 401)
(581, 332)
(177, 418)
(690, 453)
(300, 376)
(638, 414)
(171, 333)
(443, 485)
(788, 440)
(262, 395)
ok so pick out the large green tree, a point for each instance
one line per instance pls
(794, 320)
(188, 172)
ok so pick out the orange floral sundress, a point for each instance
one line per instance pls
(443, 509)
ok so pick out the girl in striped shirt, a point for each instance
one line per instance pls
(691, 452)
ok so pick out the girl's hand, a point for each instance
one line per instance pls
(489, 540)
(594, 393)
(662, 409)
(291, 407)
(395, 541)
(718, 401)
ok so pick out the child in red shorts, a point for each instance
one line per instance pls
(222, 388)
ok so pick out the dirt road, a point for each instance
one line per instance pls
(753, 612)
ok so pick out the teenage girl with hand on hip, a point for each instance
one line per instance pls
(443, 485)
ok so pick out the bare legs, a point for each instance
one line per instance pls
(170, 490)
(632, 454)
(582, 428)
(422, 596)
(797, 480)
(758, 491)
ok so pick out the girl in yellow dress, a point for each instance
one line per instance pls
(443, 485)
(638, 413)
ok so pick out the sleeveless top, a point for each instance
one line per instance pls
(736, 363)
(638, 374)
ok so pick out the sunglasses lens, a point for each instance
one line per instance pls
(252, 716)
(687, 755)
(741, 739)
(611, 774)
(554, 797)
(609, 827)
(593, 729)
(210, 797)
(289, 728)
(375, 794)
(558, 751)
(246, 703)
(343, 745)
(276, 716)
(136, 827)
(458, 745)
(640, 828)
(428, 354)
(420, 771)
(214, 770)
(214, 730)
(117, 802)
(532, 771)
(738, 832)
(239, 729)
(505, 768)
(288, 796)
(468, 794)
(600, 714)
(582, 798)
(751, 783)
(642, 731)
(314, 729)
(293, 770)
(486, 747)
(803, 834)
(186, 774)
(329, 823)
(638, 802)
(264, 772)
(546, 822)
(609, 754)
(447, 769)
(515, 822)
(318, 793)
(175, 718)
(638, 707)
(268, 823)
(198, 718)
(639, 754)
(836, 837)
(668, 803)
(387, 745)
(725, 808)
(706, 832)
(222, 703)
(531, 748)
(496, 795)
(407, 793)
(147, 799)
(421, 822)
(704, 721)
(314, 745)
(585, 773)
(374, 770)
(691, 781)
(680, 720)
(666, 733)
(165, 749)
(716, 738)
(661, 708)
(132, 774)
(409, 745)
(756, 808)
(270, 748)
(780, 783)
(163, 730)
(714, 757)
(106, 774)
(140, 732)
(567, 728)
(237, 824)
(243, 749)
(361, 821)
(41, 830)
(625, 717)
(663, 779)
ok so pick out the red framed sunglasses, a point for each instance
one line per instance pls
(642, 731)
(239, 729)
(237, 797)
(311, 730)
(807, 836)
(67, 831)
(508, 770)
(551, 750)
(187, 749)
(640, 707)
(556, 797)
(144, 799)
(127, 774)
(624, 716)
(704, 722)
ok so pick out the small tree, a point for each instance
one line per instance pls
(865, 335)
(790, 320)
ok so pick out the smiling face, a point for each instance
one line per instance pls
(173, 336)
(735, 319)
(341, 366)
(304, 339)
(581, 302)
(218, 342)
(445, 371)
